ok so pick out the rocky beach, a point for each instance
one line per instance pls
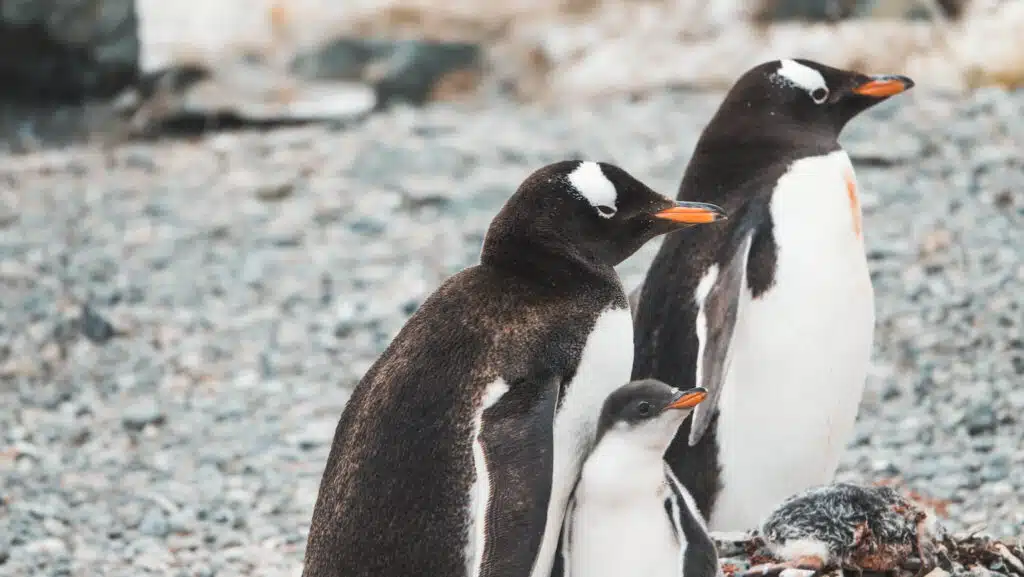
(183, 318)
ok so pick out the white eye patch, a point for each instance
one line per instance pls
(590, 182)
(804, 77)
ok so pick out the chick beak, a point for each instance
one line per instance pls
(883, 86)
(691, 213)
(688, 399)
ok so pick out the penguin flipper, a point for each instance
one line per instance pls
(517, 436)
(699, 558)
(561, 567)
(717, 312)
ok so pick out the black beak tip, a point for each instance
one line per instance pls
(908, 83)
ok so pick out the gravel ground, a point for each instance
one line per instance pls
(182, 320)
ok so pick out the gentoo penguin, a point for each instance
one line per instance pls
(846, 526)
(457, 452)
(629, 515)
(774, 308)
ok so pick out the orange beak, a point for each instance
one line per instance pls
(692, 213)
(883, 86)
(688, 399)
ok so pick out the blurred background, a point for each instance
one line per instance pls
(215, 215)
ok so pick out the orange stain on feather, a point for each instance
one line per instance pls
(851, 193)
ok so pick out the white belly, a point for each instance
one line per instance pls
(605, 365)
(801, 350)
(619, 527)
(635, 540)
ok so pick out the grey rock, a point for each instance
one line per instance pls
(181, 521)
(887, 149)
(316, 433)
(154, 523)
(47, 548)
(277, 190)
(413, 71)
(142, 412)
(94, 327)
(831, 10)
(807, 10)
(979, 419)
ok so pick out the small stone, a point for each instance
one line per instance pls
(181, 521)
(979, 419)
(275, 190)
(1000, 489)
(52, 547)
(154, 523)
(885, 151)
(226, 539)
(152, 561)
(926, 469)
(55, 527)
(94, 327)
(223, 516)
(315, 434)
(413, 71)
(884, 466)
(140, 413)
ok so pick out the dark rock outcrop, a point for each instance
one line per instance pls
(67, 50)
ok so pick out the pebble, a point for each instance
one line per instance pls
(46, 547)
(95, 328)
(316, 433)
(245, 344)
(142, 412)
(275, 190)
(154, 523)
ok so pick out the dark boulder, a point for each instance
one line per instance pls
(67, 50)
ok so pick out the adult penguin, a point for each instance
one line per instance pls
(458, 450)
(772, 311)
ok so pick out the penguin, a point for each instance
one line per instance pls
(847, 526)
(457, 451)
(775, 307)
(629, 515)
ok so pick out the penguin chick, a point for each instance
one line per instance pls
(863, 528)
(629, 514)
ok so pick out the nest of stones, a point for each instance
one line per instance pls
(958, 555)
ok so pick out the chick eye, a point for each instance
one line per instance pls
(606, 211)
(819, 95)
(644, 408)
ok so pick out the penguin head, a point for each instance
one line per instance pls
(648, 412)
(805, 95)
(592, 210)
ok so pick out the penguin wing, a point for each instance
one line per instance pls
(517, 438)
(561, 566)
(718, 298)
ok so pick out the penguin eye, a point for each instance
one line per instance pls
(819, 95)
(644, 408)
(606, 211)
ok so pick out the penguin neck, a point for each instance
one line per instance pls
(603, 476)
(551, 262)
(730, 154)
